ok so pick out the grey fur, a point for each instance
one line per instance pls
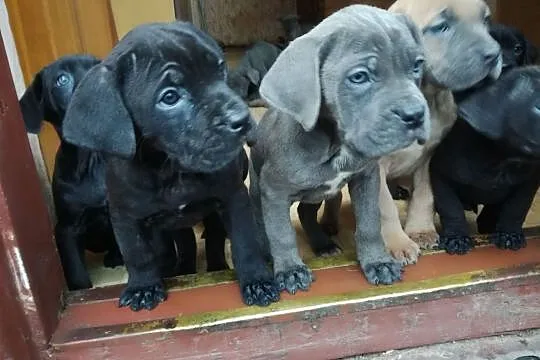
(324, 131)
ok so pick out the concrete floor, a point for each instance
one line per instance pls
(504, 347)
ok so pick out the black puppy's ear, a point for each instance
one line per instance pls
(486, 108)
(253, 76)
(32, 106)
(293, 85)
(97, 117)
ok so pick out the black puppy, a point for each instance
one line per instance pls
(490, 157)
(516, 49)
(246, 78)
(79, 175)
(173, 130)
(79, 184)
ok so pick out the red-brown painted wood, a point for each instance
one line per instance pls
(31, 280)
(338, 331)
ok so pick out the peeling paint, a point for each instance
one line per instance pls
(18, 271)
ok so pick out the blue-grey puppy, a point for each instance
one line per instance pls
(341, 96)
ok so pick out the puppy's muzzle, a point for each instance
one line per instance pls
(239, 122)
(412, 116)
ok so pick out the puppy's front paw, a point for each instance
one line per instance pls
(385, 273)
(509, 240)
(144, 297)
(331, 249)
(402, 248)
(261, 293)
(425, 239)
(297, 278)
(456, 244)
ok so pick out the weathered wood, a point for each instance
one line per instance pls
(31, 280)
(442, 298)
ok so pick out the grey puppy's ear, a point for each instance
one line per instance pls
(97, 117)
(32, 106)
(293, 84)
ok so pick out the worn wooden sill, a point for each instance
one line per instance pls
(442, 298)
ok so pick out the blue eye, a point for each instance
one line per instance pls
(359, 77)
(62, 80)
(170, 97)
(441, 28)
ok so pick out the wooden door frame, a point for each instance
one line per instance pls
(31, 280)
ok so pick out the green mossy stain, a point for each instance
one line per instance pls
(202, 319)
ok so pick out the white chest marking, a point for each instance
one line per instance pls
(337, 183)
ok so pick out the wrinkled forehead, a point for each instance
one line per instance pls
(423, 12)
(361, 31)
(154, 48)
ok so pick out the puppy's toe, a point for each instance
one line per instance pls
(385, 273)
(509, 240)
(147, 297)
(425, 239)
(261, 293)
(297, 278)
(329, 250)
(456, 244)
(403, 250)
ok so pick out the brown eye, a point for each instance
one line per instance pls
(518, 49)
(359, 77)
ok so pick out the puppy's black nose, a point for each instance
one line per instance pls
(492, 57)
(239, 122)
(412, 116)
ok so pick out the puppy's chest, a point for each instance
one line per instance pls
(327, 189)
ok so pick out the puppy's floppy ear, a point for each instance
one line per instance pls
(253, 76)
(486, 108)
(32, 106)
(292, 84)
(97, 117)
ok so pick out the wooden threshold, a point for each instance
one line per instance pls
(442, 298)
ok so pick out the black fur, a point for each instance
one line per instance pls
(159, 106)
(517, 50)
(79, 175)
(490, 157)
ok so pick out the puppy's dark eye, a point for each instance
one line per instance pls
(62, 80)
(487, 20)
(418, 67)
(518, 49)
(359, 77)
(170, 97)
(440, 28)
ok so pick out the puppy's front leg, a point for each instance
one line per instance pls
(420, 226)
(513, 211)
(145, 288)
(396, 240)
(254, 277)
(455, 237)
(290, 271)
(378, 266)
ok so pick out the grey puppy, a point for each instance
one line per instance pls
(246, 78)
(341, 96)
